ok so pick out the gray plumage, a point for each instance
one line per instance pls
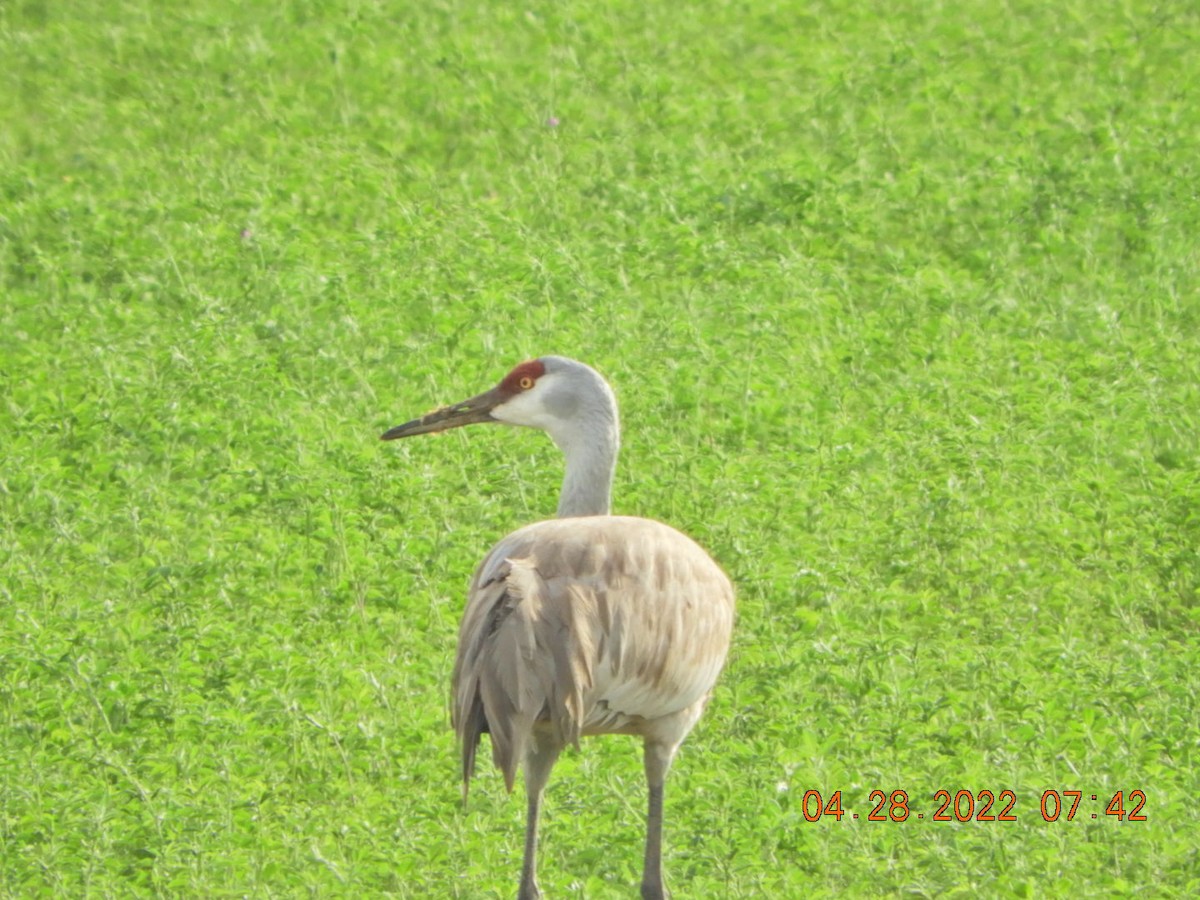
(586, 624)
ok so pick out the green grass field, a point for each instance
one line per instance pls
(902, 305)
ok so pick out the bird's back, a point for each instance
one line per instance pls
(587, 625)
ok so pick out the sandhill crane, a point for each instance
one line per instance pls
(585, 624)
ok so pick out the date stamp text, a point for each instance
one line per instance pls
(979, 806)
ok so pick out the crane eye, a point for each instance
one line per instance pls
(526, 383)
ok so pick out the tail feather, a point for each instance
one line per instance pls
(474, 725)
(491, 684)
(520, 660)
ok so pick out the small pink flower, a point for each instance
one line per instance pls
(552, 122)
(247, 234)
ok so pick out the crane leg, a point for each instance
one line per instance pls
(539, 760)
(657, 758)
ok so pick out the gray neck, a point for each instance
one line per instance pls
(591, 455)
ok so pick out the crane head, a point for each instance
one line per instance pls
(551, 393)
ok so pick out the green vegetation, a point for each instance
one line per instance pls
(902, 305)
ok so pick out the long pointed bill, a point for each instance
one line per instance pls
(477, 409)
